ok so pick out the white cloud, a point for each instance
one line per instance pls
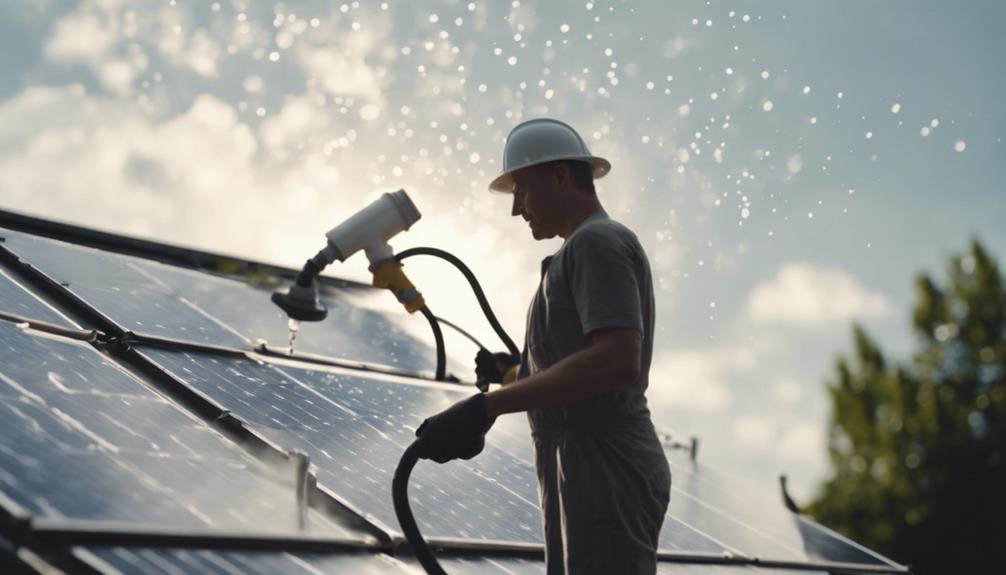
(807, 294)
(787, 390)
(350, 63)
(181, 44)
(82, 35)
(340, 73)
(799, 443)
(803, 442)
(754, 432)
(178, 179)
(696, 379)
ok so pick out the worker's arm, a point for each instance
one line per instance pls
(611, 361)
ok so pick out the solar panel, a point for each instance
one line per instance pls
(112, 285)
(83, 439)
(160, 300)
(363, 325)
(149, 561)
(15, 299)
(137, 561)
(749, 522)
(356, 451)
(824, 544)
(356, 427)
(669, 568)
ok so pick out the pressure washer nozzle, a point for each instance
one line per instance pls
(301, 303)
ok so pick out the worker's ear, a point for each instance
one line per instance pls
(560, 174)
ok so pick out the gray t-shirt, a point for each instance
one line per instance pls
(599, 278)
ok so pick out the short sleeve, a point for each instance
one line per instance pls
(603, 279)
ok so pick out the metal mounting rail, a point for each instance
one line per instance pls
(66, 533)
(103, 534)
(86, 335)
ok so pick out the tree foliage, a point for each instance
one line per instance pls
(918, 449)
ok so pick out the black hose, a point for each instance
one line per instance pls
(479, 294)
(400, 497)
(439, 337)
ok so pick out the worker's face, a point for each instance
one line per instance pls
(538, 199)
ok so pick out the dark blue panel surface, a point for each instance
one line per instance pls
(752, 522)
(356, 451)
(14, 298)
(83, 439)
(116, 287)
(140, 561)
(826, 545)
(145, 561)
(363, 325)
(150, 298)
(355, 428)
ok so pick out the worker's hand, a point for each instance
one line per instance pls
(456, 432)
(493, 367)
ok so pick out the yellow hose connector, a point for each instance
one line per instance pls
(389, 274)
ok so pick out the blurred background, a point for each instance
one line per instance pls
(819, 187)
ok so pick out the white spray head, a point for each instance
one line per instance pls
(370, 228)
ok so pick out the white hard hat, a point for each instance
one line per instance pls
(539, 141)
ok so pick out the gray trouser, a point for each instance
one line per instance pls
(604, 491)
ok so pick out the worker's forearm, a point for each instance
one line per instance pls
(584, 374)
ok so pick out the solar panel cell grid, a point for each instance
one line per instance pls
(15, 299)
(112, 285)
(85, 440)
(361, 425)
(362, 325)
(129, 561)
(159, 300)
(357, 452)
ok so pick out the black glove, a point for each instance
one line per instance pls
(456, 432)
(488, 365)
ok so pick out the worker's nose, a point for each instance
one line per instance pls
(518, 205)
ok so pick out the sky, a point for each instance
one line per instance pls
(789, 167)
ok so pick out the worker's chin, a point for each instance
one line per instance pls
(540, 234)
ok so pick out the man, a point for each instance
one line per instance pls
(603, 479)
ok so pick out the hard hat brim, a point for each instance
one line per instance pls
(504, 182)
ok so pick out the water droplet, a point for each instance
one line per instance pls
(294, 326)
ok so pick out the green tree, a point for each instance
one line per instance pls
(918, 450)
